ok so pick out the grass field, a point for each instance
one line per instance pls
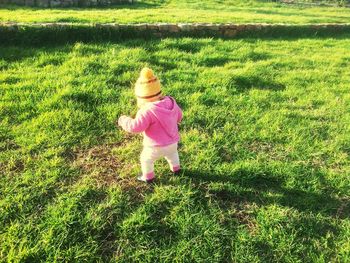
(265, 153)
(218, 11)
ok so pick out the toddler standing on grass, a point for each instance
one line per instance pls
(157, 118)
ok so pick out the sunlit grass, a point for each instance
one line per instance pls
(265, 153)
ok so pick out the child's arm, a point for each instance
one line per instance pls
(139, 124)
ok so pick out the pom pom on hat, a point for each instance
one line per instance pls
(147, 85)
(147, 73)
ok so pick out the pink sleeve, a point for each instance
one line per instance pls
(139, 124)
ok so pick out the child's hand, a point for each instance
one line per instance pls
(121, 120)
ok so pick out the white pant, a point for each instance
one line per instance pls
(152, 153)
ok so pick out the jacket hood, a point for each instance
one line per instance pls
(166, 112)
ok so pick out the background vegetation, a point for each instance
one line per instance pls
(216, 11)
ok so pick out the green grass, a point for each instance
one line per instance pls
(265, 153)
(218, 11)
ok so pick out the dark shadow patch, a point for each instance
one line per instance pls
(122, 75)
(309, 117)
(211, 99)
(3, 64)
(246, 82)
(11, 80)
(162, 63)
(72, 20)
(257, 56)
(124, 67)
(86, 50)
(190, 46)
(93, 67)
(57, 61)
(17, 54)
(207, 101)
(84, 99)
(21, 53)
(215, 61)
(186, 77)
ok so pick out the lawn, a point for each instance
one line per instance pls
(265, 153)
(216, 11)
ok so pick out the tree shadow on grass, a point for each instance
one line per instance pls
(246, 82)
(125, 228)
(244, 188)
(236, 190)
(17, 53)
(265, 188)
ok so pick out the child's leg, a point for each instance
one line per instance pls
(148, 156)
(172, 156)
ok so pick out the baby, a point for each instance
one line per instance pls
(157, 118)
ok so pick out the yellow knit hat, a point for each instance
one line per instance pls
(147, 86)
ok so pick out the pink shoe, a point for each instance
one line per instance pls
(176, 170)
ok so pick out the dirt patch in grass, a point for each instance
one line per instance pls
(7, 165)
(235, 209)
(18, 166)
(344, 208)
(99, 160)
(246, 218)
(267, 148)
(9, 145)
(12, 167)
(106, 168)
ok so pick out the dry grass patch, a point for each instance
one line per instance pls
(107, 167)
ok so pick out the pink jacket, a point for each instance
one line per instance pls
(157, 121)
